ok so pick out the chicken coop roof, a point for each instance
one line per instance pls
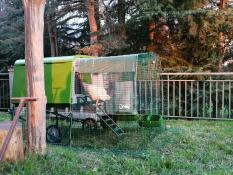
(122, 63)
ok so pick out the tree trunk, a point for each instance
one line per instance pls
(97, 14)
(34, 54)
(159, 36)
(52, 30)
(222, 49)
(223, 4)
(121, 17)
(92, 21)
(93, 27)
(151, 28)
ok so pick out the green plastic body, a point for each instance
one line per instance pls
(58, 74)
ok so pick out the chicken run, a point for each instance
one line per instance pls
(97, 91)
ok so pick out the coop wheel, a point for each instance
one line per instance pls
(53, 134)
(90, 123)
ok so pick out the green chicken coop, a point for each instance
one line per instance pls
(92, 89)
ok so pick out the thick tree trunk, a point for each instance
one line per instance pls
(34, 54)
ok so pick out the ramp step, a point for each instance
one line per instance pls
(107, 119)
(113, 125)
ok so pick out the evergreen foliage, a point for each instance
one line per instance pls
(187, 32)
(70, 20)
(192, 40)
(11, 32)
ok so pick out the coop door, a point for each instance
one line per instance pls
(125, 97)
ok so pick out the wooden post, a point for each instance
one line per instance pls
(34, 54)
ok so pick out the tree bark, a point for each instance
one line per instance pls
(97, 14)
(93, 27)
(159, 36)
(222, 6)
(151, 28)
(92, 21)
(34, 54)
(121, 17)
(52, 30)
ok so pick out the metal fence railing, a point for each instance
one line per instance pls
(179, 95)
(4, 92)
(188, 95)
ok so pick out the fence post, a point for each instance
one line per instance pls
(11, 75)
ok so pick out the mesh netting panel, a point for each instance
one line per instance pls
(147, 67)
(113, 82)
(116, 92)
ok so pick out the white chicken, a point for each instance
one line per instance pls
(96, 90)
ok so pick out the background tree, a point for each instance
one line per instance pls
(185, 34)
(11, 32)
(70, 23)
(70, 29)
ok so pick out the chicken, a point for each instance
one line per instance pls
(96, 90)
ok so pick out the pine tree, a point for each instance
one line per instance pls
(11, 31)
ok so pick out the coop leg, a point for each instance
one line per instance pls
(12, 111)
(57, 120)
(70, 129)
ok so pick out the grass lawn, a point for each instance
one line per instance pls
(186, 147)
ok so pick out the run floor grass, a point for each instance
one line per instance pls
(186, 147)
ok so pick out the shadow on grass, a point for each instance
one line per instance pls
(134, 137)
